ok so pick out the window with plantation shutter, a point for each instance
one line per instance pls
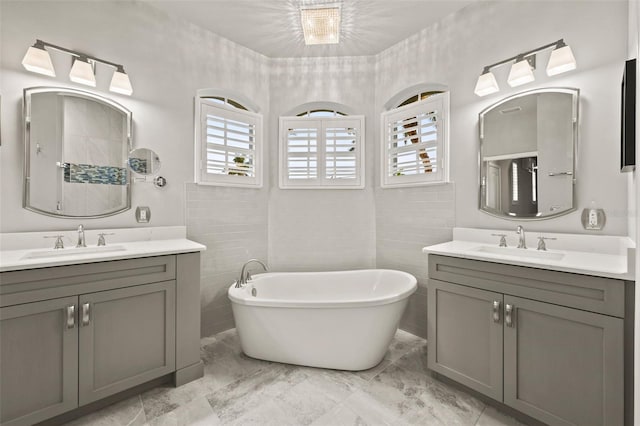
(228, 144)
(322, 152)
(415, 142)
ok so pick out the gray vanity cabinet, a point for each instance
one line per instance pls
(563, 366)
(38, 360)
(73, 335)
(127, 337)
(548, 344)
(462, 322)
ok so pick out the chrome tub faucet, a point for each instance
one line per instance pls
(245, 275)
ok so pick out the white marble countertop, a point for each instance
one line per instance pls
(29, 250)
(603, 256)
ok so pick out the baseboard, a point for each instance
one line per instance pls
(189, 374)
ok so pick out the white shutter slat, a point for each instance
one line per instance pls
(414, 140)
(226, 135)
(301, 151)
(320, 152)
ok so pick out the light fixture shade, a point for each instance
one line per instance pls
(38, 60)
(82, 72)
(321, 24)
(561, 60)
(120, 83)
(521, 73)
(486, 84)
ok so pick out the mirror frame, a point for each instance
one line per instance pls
(26, 120)
(575, 116)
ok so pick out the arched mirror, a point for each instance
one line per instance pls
(527, 154)
(76, 147)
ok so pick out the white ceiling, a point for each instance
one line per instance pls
(272, 27)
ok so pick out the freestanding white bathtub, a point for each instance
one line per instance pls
(341, 320)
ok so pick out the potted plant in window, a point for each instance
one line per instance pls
(240, 168)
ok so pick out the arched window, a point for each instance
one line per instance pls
(415, 138)
(228, 145)
(321, 146)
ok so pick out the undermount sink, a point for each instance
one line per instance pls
(76, 251)
(516, 252)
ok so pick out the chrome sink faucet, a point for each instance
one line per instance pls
(245, 275)
(522, 242)
(81, 242)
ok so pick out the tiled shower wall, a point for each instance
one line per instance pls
(232, 223)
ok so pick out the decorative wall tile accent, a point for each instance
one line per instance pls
(138, 165)
(88, 173)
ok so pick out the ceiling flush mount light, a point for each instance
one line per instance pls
(82, 72)
(38, 60)
(522, 67)
(321, 24)
(522, 71)
(486, 84)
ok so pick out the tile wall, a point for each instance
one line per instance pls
(232, 223)
(407, 220)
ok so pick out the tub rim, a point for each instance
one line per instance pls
(232, 293)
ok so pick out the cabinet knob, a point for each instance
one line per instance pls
(86, 307)
(508, 315)
(496, 310)
(70, 316)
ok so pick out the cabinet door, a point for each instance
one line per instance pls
(38, 360)
(127, 337)
(563, 366)
(464, 332)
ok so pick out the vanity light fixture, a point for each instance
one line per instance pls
(120, 82)
(522, 71)
(561, 60)
(486, 84)
(523, 64)
(320, 24)
(82, 72)
(37, 60)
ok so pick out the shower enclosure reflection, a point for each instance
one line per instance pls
(76, 147)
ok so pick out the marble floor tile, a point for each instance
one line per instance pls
(230, 338)
(369, 411)
(401, 344)
(197, 412)
(450, 405)
(238, 390)
(304, 403)
(340, 416)
(337, 385)
(268, 414)
(398, 391)
(373, 371)
(414, 360)
(492, 417)
(233, 400)
(127, 412)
